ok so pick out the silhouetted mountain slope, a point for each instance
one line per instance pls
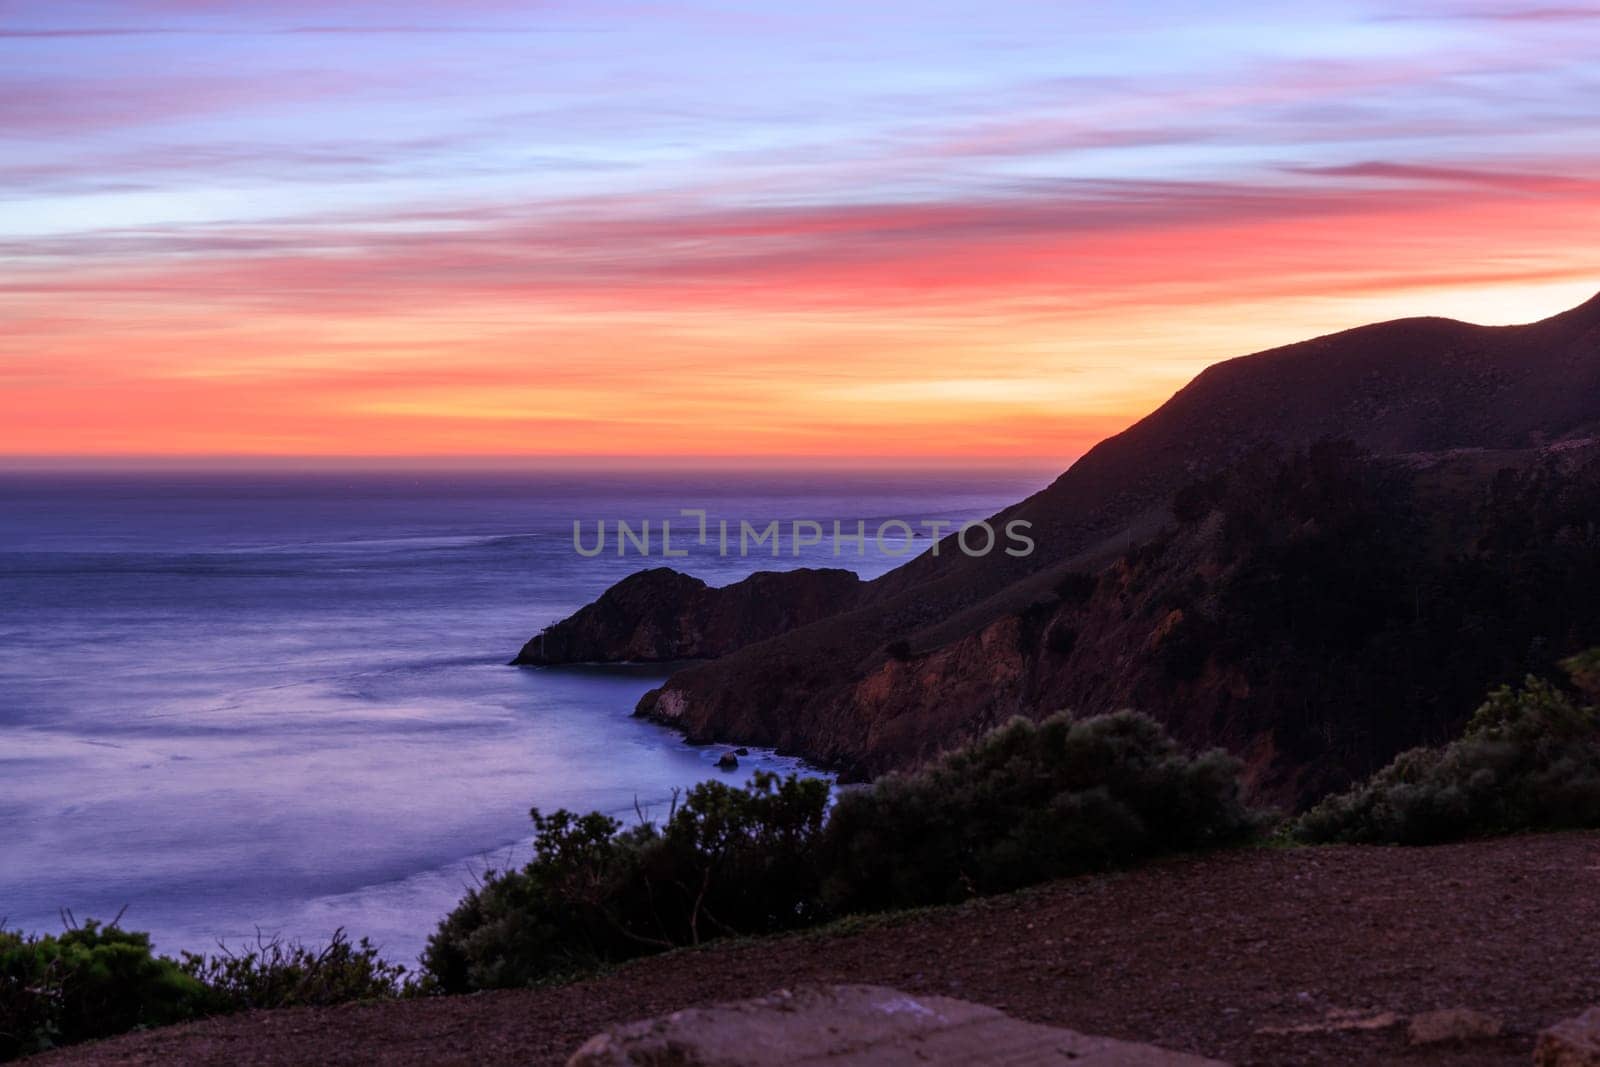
(831, 691)
(1316, 612)
(1411, 385)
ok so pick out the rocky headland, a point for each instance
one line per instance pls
(661, 615)
(1316, 556)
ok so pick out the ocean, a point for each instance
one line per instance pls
(241, 703)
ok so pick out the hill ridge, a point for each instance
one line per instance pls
(832, 691)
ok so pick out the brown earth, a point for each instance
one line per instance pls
(1282, 957)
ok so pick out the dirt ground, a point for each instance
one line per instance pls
(1216, 955)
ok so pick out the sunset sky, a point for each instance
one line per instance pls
(988, 230)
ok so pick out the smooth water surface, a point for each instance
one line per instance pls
(242, 701)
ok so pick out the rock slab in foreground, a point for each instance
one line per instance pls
(859, 1025)
(1572, 1043)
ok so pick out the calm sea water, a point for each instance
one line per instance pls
(231, 702)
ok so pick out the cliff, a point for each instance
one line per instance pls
(830, 689)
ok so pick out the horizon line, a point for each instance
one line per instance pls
(491, 462)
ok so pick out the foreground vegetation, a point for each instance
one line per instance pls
(1028, 803)
(1529, 759)
(96, 980)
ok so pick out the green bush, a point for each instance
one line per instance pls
(278, 974)
(1584, 670)
(97, 980)
(725, 861)
(89, 982)
(1529, 759)
(1027, 803)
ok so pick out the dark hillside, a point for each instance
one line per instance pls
(1456, 401)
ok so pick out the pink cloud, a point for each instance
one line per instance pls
(1408, 172)
(83, 105)
(1065, 241)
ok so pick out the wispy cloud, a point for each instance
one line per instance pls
(1504, 13)
(1410, 172)
(288, 31)
(87, 104)
(346, 224)
(1065, 238)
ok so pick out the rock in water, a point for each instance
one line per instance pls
(728, 761)
(857, 1026)
(1572, 1043)
(660, 615)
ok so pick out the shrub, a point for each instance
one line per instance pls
(278, 974)
(98, 980)
(1584, 670)
(725, 861)
(88, 982)
(1027, 803)
(1529, 759)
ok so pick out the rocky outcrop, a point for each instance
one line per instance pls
(902, 711)
(859, 1026)
(1570, 1043)
(661, 615)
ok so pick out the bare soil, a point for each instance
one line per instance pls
(1221, 955)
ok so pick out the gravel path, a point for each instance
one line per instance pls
(1205, 955)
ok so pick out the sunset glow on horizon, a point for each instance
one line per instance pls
(748, 231)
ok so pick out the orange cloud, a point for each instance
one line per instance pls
(1026, 324)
